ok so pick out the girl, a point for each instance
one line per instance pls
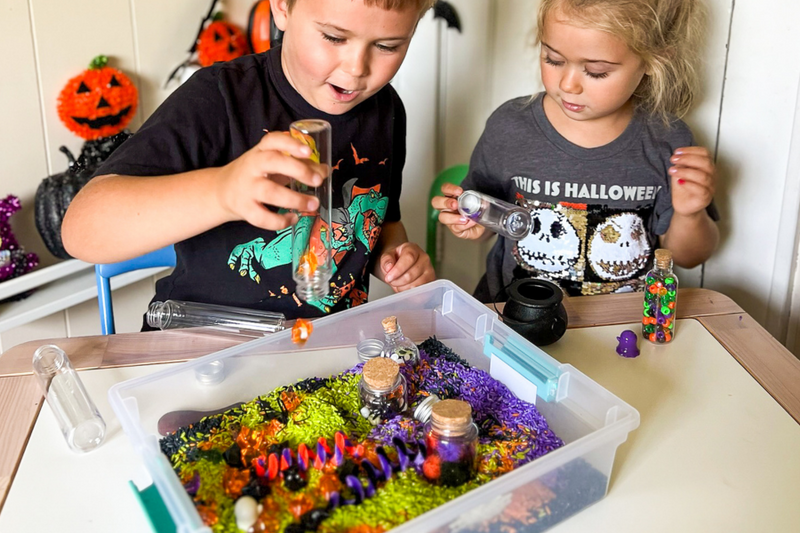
(600, 158)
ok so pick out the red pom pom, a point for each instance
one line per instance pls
(432, 467)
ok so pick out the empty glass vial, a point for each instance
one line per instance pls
(503, 218)
(311, 235)
(174, 314)
(397, 346)
(660, 300)
(382, 390)
(451, 439)
(78, 418)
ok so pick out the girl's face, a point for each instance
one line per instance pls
(338, 53)
(588, 74)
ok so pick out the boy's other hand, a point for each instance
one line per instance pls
(447, 205)
(259, 178)
(406, 267)
(694, 178)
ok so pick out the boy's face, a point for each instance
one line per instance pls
(588, 73)
(338, 53)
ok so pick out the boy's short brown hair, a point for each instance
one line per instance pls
(421, 5)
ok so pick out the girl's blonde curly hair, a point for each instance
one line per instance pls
(666, 34)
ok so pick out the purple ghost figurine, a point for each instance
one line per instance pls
(627, 344)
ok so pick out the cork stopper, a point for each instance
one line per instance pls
(452, 415)
(380, 373)
(389, 324)
(663, 259)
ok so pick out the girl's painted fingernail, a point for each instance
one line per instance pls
(681, 181)
(463, 220)
(675, 158)
(672, 170)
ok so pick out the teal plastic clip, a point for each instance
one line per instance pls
(527, 363)
(154, 508)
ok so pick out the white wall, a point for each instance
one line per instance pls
(747, 113)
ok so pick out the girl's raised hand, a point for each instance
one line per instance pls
(447, 205)
(694, 178)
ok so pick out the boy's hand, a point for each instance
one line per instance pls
(693, 180)
(449, 216)
(406, 267)
(259, 178)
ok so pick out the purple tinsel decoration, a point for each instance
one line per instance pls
(20, 262)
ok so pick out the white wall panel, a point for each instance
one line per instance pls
(68, 35)
(515, 60)
(23, 163)
(162, 43)
(50, 327)
(130, 304)
(755, 133)
(704, 118)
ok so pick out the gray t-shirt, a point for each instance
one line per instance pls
(596, 212)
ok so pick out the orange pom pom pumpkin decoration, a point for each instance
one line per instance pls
(220, 41)
(99, 102)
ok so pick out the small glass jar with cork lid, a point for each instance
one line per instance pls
(660, 300)
(397, 346)
(451, 438)
(382, 390)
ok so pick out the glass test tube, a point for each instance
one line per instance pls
(78, 418)
(501, 217)
(175, 314)
(311, 236)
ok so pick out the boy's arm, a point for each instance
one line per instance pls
(114, 218)
(401, 264)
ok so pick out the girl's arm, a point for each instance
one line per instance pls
(691, 238)
(692, 235)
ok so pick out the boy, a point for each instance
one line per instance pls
(201, 172)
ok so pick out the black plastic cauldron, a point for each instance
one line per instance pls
(535, 310)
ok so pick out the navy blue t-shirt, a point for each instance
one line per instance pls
(223, 111)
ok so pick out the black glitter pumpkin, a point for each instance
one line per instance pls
(56, 192)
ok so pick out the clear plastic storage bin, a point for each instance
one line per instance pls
(591, 421)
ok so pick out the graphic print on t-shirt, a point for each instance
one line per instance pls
(554, 247)
(357, 222)
(591, 248)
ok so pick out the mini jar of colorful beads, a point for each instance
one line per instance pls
(382, 390)
(660, 300)
(451, 439)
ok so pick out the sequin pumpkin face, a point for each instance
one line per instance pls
(618, 247)
(552, 246)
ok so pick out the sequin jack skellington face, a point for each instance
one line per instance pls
(553, 246)
(618, 247)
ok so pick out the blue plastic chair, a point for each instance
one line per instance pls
(165, 257)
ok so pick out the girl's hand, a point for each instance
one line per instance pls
(694, 177)
(447, 205)
(259, 178)
(406, 267)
